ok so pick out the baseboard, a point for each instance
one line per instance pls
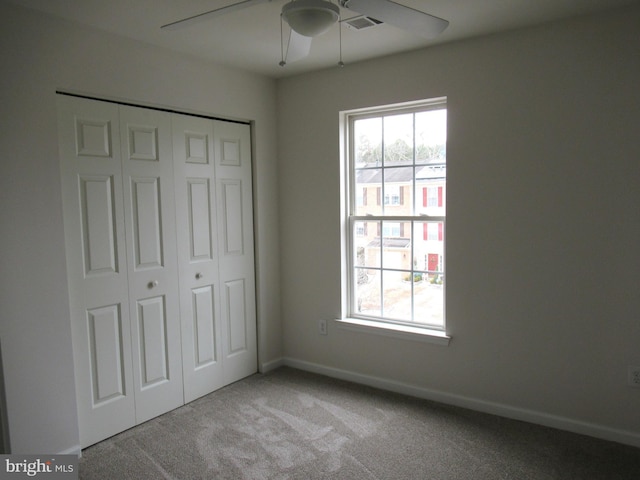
(75, 450)
(502, 410)
(267, 367)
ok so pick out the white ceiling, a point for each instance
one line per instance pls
(250, 39)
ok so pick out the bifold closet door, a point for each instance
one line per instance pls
(117, 176)
(147, 155)
(232, 146)
(215, 249)
(197, 253)
(91, 170)
(158, 220)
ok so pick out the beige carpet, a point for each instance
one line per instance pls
(296, 425)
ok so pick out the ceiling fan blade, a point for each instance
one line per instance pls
(298, 48)
(398, 15)
(187, 22)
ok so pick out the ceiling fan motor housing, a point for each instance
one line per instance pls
(310, 17)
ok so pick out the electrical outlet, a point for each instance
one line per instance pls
(322, 328)
(634, 376)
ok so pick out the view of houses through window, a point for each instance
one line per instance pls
(397, 174)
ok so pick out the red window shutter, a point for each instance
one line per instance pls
(402, 229)
(401, 195)
(425, 231)
(378, 192)
(378, 229)
(439, 196)
(364, 196)
(424, 197)
(440, 230)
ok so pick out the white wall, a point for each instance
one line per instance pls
(40, 54)
(543, 247)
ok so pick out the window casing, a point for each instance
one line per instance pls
(395, 219)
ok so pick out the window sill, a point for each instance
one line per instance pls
(404, 332)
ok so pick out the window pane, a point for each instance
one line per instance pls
(431, 136)
(428, 249)
(396, 245)
(429, 303)
(397, 295)
(368, 191)
(367, 296)
(398, 185)
(431, 191)
(367, 244)
(367, 138)
(398, 140)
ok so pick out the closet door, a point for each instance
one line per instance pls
(159, 239)
(91, 172)
(147, 155)
(197, 255)
(232, 144)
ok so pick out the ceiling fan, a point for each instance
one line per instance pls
(310, 18)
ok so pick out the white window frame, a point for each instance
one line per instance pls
(350, 319)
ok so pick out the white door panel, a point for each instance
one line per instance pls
(98, 229)
(91, 174)
(146, 223)
(197, 255)
(232, 143)
(236, 318)
(152, 264)
(152, 327)
(204, 334)
(107, 355)
(232, 216)
(199, 214)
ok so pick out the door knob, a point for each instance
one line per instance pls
(153, 284)
(199, 276)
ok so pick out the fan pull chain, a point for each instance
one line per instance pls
(340, 63)
(282, 62)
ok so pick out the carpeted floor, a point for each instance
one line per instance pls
(290, 424)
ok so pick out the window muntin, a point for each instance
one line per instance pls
(396, 215)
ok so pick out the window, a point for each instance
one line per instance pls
(395, 215)
(392, 194)
(391, 229)
(433, 231)
(432, 196)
